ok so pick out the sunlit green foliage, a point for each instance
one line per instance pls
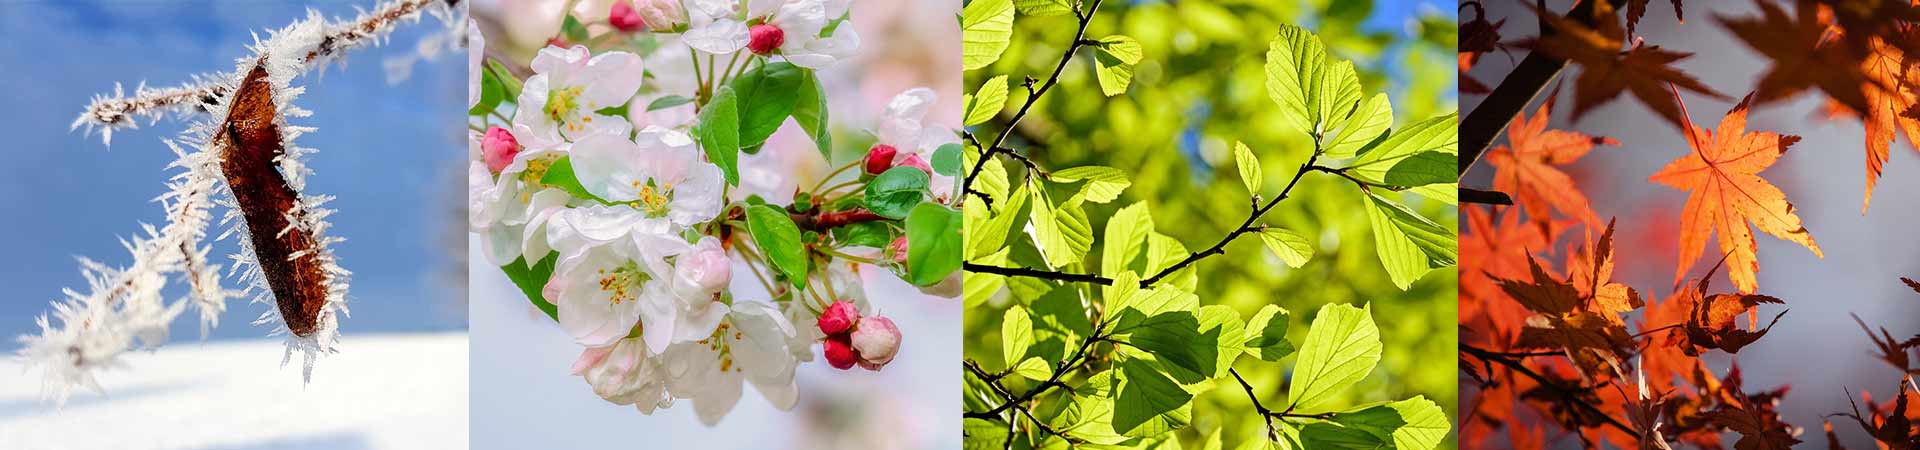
(1169, 124)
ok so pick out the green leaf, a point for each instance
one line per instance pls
(1328, 435)
(668, 101)
(1061, 232)
(532, 279)
(992, 236)
(1295, 62)
(1409, 245)
(1424, 168)
(1342, 346)
(1103, 183)
(1267, 333)
(1146, 402)
(1411, 424)
(933, 243)
(1016, 334)
(946, 159)
(1339, 95)
(1059, 317)
(1434, 135)
(1113, 59)
(1174, 339)
(1221, 324)
(975, 288)
(982, 434)
(1249, 166)
(1044, 8)
(1129, 305)
(491, 92)
(1034, 369)
(986, 26)
(896, 192)
(987, 102)
(1125, 238)
(573, 30)
(864, 234)
(1367, 123)
(810, 112)
(1164, 251)
(510, 84)
(1291, 247)
(993, 177)
(779, 239)
(1088, 413)
(719, 131)
(560, 175)
(1315, 93)
(767, 96)
(1448, 193)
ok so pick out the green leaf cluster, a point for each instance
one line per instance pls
(1108, 188)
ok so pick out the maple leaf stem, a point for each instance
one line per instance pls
(1687, 119)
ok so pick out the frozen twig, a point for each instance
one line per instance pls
(239, 151)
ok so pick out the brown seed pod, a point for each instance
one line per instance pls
(266, 201)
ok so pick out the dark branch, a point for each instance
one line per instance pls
(1079, 39)
(1245, 226)
(1514, 93)
(1564, 391)
(1038, 273)
(1052, 381)
(1470, 195)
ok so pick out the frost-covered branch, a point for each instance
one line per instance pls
(194, 99)
(239, 152)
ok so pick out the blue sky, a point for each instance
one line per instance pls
(387, 152)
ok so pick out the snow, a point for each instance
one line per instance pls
(395, 391)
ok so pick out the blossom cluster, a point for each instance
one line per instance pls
(604, 178)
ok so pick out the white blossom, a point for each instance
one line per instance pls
(569, 87)
(660, 173)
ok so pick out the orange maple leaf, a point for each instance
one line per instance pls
(1526, 169)
(1889, 95)
(1591, 272)
(1638, 8)
(1756, 433)
(1722, 172)
(1802, 55)
(1606, 70)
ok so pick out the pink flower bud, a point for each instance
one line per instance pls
(623, 17)
(840, 353)
(899, 250)
(838, 318)
(876, 340)
(499, 148)
(703, 271)
(880, 158)
(763, 38)
(916, 162)
(661, 16)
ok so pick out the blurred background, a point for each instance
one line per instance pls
(523, 396)
(1817, 348)
(1200, 87)
(386, 151)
